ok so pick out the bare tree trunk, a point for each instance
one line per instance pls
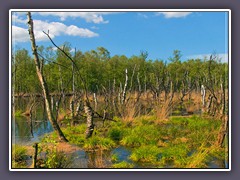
(139, 83)
(35, 155)
(223, 132)
(95, 101)
(43, 82)
(31, 119)
(52, 103)
(223, 99)
(203, 93)
(125, 87)
(13, 85)
(90, 125)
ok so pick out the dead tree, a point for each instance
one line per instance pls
(87, 107)
(89, 112)
(203, 94)
(125, 87)
(42, 80)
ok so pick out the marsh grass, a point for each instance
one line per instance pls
(129, 111)
(115, 133)
(19, 156)
(98, 159)
(114, 158)
(174, 153)
(18, 113)
(141, 135)
(180, 142)
(149, 153)
(123, 165)
(98, 143)
(57, 159)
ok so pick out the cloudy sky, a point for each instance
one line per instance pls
(195, 34)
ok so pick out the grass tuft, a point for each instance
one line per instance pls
(123, 164)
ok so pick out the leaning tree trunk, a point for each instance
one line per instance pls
(41, 78)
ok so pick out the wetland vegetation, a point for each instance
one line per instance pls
(91, 110)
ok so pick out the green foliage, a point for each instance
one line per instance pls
(175, 143)
(141, 135)
(177, 153)
(53, 157)
(114, 158)
(99, 70)
(100, 143)
(18, 113)
(19, 156)
(149, 153)
(18, 152)
(57, 159)
(123, 164)
(115, 133)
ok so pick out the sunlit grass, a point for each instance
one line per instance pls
(19, 156)
(180, 142)
(123, 164)
(96, 142)
(148, 153)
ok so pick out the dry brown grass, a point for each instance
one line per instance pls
(129, 111)
(98, 160)
(164, 109)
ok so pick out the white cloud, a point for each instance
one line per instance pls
(17, 19)
(94, 17)
(19, 34)
(142, 15)
(55, 49)
(94, 27)
(223, 57)
(174, 14)
(54, 29)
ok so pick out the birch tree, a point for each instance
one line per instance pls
(39, 66)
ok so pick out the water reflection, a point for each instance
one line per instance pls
(25, 131)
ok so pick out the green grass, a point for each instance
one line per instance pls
(141, 135)
(173, 143)
(18, 113)
(176, 154)
(19, 156)
(114, 158)
(148, 153)
(57, 159)
(115, 133)
(98, 143)
(123, 164)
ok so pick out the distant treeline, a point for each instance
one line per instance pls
(102, 73)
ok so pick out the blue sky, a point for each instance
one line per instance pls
(195, 34)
